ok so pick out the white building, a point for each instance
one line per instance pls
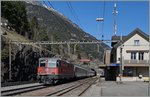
(135, 52)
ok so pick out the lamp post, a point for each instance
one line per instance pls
(149, 65)
(121, 60)
(100, 19)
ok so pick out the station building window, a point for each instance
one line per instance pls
(133, 55)
(141, 55)
(136, 42)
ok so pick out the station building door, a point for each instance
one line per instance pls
(111, 72)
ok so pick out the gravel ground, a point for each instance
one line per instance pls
(111, 88)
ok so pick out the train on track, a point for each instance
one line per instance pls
(52, 70)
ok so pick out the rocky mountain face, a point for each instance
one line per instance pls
(60, 28)
(56, 23)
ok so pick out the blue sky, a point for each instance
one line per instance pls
(130, 16)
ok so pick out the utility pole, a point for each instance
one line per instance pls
(115, 12)
(149, 65)
(9, 60)
(121, 61)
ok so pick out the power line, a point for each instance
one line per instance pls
(71, 12)
(70, 9)
(59, 20)
(74, 13)
(51, 4)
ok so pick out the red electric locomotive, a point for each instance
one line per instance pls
(51, 70)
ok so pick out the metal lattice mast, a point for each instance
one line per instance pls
(115, 12)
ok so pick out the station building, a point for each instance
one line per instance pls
(135, 55)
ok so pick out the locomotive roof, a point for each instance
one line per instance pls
(50, 58)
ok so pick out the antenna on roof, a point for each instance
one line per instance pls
(115, 12)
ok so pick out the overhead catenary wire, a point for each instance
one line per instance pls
(70, 11)
(74, 13)
(51, 4)
(60, 21)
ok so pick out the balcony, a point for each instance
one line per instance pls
(136, 63)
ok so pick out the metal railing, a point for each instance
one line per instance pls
(135, 61)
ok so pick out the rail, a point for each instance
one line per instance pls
(16, 91)
(75, 90)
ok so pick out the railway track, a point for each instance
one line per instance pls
(73, 88)
(76, 88)
(16, 91)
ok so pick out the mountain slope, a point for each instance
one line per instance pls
(56, 23)
(58, 27)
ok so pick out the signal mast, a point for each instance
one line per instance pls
(115, 12)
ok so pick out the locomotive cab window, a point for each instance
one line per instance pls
(42, 63)
(51, 63)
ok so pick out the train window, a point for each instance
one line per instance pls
(42, 63)
(51, 63)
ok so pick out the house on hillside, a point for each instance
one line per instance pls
(135, 54)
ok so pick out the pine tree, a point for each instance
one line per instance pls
(15, 13)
